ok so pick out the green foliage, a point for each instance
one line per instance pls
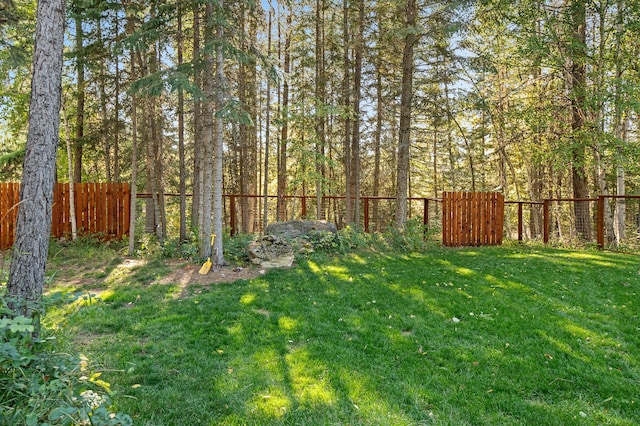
(41, 385)
(353, 238)
(235, 248)
(325, 242)
(414, 237)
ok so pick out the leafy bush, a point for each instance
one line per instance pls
(327, 242)
(412, 239)
(353, 238)
(39, 385)
(235, 248)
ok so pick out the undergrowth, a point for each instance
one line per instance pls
(42, 384)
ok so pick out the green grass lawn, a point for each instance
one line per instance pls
(478, 336)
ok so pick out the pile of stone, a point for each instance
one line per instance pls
(277, 249)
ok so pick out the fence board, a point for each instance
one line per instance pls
(101, 208)
(472, 218)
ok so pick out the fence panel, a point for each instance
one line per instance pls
(9, 198)
(101, 208)
(619, 221)
(472, 218)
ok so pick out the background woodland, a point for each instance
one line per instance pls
(535, 99)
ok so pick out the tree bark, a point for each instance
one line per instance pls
(80, 100)
(355, 138)
(619, 131)
(181, 156)
(404, 140)
(320, 87)
(346, 101)
(578, 114)
(218, 253)
(284, 135)
(33, 228)
(196, 202)
(207, 136)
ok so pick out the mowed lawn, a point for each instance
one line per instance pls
(477, 336)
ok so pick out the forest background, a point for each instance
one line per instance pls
(535, 99)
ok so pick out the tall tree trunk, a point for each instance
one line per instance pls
(218, 253)
(346, 100)
(247, 82)
(130, 28)
(207, 133)
(181, 157)
(134, 159)
(267, 137)
(116, 113)
(355, 139)
(72, 195)
(33, 227)
(198, 157)
(80, 98)
(578, 115)
(619, 130)
(284, 136)
(320, 115)
(104, 128)
(377, 139)
(599, 158)
(404, 139)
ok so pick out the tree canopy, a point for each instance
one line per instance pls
(530, 98)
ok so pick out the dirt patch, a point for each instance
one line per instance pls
(185, 274)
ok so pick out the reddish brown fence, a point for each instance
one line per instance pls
(101, 208)
(9, 197)
(472, 218)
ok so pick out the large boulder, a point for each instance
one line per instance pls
(271, 252)
(300, 228)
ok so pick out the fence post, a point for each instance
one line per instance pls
(545, 216)
(425, 214)
(519, 221)
(366, 214)
(304, 207)
(600, 225)
(232, 214)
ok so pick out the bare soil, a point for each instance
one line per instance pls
(186, 274)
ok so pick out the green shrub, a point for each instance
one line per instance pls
(235, 247)
(40, 385)
(326, 242)
(413, 238)
(353, 238)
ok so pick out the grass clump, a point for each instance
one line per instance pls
(475, 336)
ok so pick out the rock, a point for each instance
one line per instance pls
(298, 228)
(271, 252)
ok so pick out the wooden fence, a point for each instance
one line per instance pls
(472, 218)
(101, 208)
(9, 198)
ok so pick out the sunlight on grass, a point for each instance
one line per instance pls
(314, 267)
(465, 272)
(562, 346)
(340, 272)
(371, 406)
(274, 403)
(309, 379)
(248, 298)
(287, 323)
(539, 337)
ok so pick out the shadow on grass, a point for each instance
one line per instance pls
(473, 336)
